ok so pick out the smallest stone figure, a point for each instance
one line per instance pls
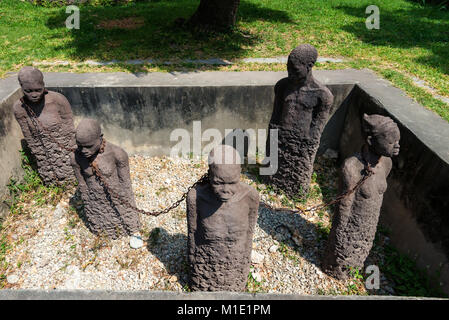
(105, 214)
(221, 216)
(355, 222)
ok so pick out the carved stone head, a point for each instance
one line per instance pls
(88, 137)
(32, 82)
(300, 62)
(224, 171)
(382, 135)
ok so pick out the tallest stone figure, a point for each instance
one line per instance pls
(301, 109)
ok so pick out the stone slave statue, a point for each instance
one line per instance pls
(221, 216)
(301, 109)
(355, 222)
(42, 115)
(105, 214)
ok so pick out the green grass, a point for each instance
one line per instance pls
(402, 272)
(31, 189)
(252, 285)
(409, 280)
(412, 39)
(4, 247)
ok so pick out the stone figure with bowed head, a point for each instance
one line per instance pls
(105, 214)
(355, 222)
(221, 217)
(301, 110)
(53, 112)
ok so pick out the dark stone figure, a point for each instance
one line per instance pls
(104, 216)
(54, 113)
(355, 222)
(301, 109)
(221, 216)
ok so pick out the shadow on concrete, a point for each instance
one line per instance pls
(148, 31)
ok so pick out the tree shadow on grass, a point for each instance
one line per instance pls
(149, 31)
(411, 27)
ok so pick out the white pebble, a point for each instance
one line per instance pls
(256, 257)
(135, 242)
(12, 279)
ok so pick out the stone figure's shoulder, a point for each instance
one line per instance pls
(250, 192)
(192, 194)
(56, 97)
(353, 161)
(74, 158)
(280, 85)
(119, 153)
(18, 109)
(325, 94)
(352, 166)
(388, 164)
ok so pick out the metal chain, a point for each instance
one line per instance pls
(35, 120)
(367, 172)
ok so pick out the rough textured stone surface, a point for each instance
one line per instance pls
(301, 109)
(355, 222)
(104, 215)
(54, 113)
(221, 217)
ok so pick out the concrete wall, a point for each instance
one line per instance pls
(140, 119)
(139, 112)
(416, 203)
(10, 136)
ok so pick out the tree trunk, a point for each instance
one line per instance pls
(215, 14)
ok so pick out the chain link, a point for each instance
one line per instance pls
(367, 172)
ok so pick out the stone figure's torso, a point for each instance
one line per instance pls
(52, 160)
(106, 165)
(372, 190)
(110, 216)
(222, 240)
(299, 114)
(298, 107)
(226, 223)
(355, 222)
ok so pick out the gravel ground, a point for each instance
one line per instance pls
(52, 248)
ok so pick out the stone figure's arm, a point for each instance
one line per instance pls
(388, 166)
(79, 177)
(191, 222)
(278, 102)
(252, 216)
(124, 175)
(348, 180)
(21, 117)
(321, 114)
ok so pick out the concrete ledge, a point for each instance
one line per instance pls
(167, 295)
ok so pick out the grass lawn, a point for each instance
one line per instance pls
(412, 40)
